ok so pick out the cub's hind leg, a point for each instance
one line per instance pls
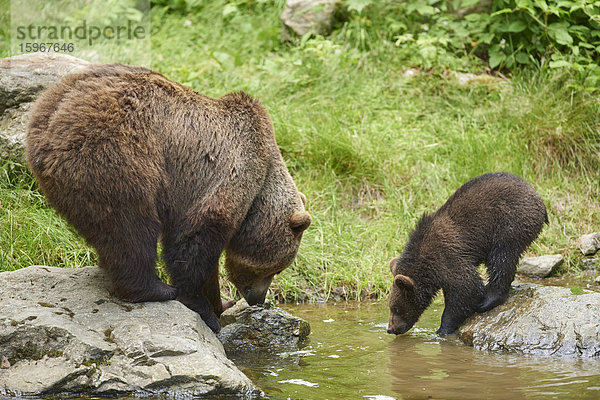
(501, 266)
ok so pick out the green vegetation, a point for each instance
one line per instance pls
(505, 33)
(31, 232)
(375, 127)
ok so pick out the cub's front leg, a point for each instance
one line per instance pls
(461, 301)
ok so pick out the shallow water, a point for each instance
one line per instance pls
(350, 356)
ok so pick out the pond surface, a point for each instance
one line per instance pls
(350, 356)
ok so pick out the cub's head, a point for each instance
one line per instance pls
(268, 239)
(405, 309)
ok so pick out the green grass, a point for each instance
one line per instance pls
(371, 148)
(31, 233)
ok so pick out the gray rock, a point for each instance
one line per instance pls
(62, 332)
(22, 78)
(539, 267)
(470, 79)
(541, 320)
(590, 263)
(482, 6)
(254, 328)
(589, 244)
(304, 16)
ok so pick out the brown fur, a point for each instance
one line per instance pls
(491, 219)
(126, 156)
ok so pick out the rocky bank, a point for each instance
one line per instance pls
(61, 331)
(540, 320)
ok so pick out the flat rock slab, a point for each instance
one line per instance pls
(62, 332)
(247, 329)
(541, 320)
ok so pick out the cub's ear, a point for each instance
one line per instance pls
(393, 264)
(404, 282)
(302, 197)
(300, 221)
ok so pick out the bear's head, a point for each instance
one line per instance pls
(405, 307)
(268, 239)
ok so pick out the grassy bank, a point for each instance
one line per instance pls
(372, 146)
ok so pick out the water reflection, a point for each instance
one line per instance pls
(421, 368)
(351, 356)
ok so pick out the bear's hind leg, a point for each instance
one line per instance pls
(501, 266)
(129, 258)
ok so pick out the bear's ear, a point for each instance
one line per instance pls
(302, 197)
(300, 221)
(404, 282)
(393, 264)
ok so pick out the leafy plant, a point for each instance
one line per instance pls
(561, 34)
(183, 6)
(577, 290)
(508, 34)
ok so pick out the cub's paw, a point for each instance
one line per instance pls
(445, 331)
(490, 301)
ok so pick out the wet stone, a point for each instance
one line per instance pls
(267, 328)
(539, 267)
(540, 320)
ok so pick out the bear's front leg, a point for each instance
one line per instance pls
(192, 261)
(202, 307)
(461, 302)
(212, 292)
(452, 319)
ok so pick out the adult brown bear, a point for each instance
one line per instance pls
(490, 219)
(127, 156)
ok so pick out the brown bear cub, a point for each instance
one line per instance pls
(127, 157)
(491, 219)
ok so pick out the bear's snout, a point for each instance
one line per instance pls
(255, 294)
(396, 326)
(253, 298)
(397, 330)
